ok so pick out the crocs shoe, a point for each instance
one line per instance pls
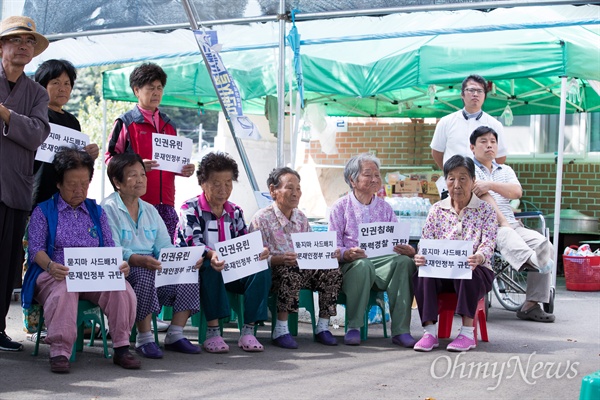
(352, 337)
(427, 343)
(285, 342)
(404, 340)
(250, 344)
(183, 345)
(326, 338)
(215, 345)
(462, 343)
(149, 350)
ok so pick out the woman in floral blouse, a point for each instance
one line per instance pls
(276, 223)
(461, 216)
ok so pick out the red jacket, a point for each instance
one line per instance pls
(133, 133)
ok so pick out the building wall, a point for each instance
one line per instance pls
(405, 142)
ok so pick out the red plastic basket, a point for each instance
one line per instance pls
(582, 273)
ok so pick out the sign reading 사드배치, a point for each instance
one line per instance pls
(315, 250)
(171, 152)
(177, 265)
(446, 259)
(241, 256)
(379, 238)
(60, 136)
(94, 269)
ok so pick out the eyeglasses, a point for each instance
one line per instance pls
(18, 41)
(473, 91)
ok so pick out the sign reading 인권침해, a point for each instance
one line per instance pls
(241, 256)
(379, 238)
(446, 259)
(177, 265)
(171, 152)
(60, 136)
(94, 269)
(315, 250)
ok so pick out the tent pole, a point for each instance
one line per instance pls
(238, 142)
(103, 175)
(281, 88)
(559, 172)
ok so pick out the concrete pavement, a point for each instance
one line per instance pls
(523, 360)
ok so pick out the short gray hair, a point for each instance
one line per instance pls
(354, 166)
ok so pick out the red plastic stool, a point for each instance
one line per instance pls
(446, 307)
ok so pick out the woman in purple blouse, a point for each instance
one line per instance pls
(392, 273)
(69, 219)
(461, 216)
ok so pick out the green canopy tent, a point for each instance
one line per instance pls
(387, 68)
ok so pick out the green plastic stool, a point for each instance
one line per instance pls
(590, 387)
(86, 312)
(305, 300)
(166, 313)
(375, 300)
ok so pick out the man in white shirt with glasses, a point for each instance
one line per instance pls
(452, 132)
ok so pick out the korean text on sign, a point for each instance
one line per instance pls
(379, 238)
(178, 265)
(241, 256)
(171, 152)
(315, 250)
(94, 269)
(60, 136)
(446, 258)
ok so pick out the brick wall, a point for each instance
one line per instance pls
(405, 142)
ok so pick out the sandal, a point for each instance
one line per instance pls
(216, 345)
(535, 313)
(250, 343)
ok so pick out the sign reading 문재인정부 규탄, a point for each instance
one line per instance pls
(315, 250)
(446, 259)
(94, 269)
(225, 86)
(171, 152)
(177, 265)
(241, 256)
(60, 136)
(379, 238)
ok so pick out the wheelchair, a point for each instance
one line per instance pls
(509, 285)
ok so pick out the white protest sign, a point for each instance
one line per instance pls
(315, 250)
(171, 152)
(446, 259)
(178, 265)
(379, 238)
(94, 269)
(60, 136)
(241, 256)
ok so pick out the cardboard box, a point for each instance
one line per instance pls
(408, 186)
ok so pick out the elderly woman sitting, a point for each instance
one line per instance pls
(139, 229)
(211, 218)
(69, 219)
(461, 216)
(391, 273)
(276, 223)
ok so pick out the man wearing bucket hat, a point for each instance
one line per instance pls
(24, 127)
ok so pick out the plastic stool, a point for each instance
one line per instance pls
(590, 387)
(305, 300)
(446, 308)
(86, 312)
(166, 313)
(236, 302)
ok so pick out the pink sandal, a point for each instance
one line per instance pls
(250, 343)
(215, 344)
